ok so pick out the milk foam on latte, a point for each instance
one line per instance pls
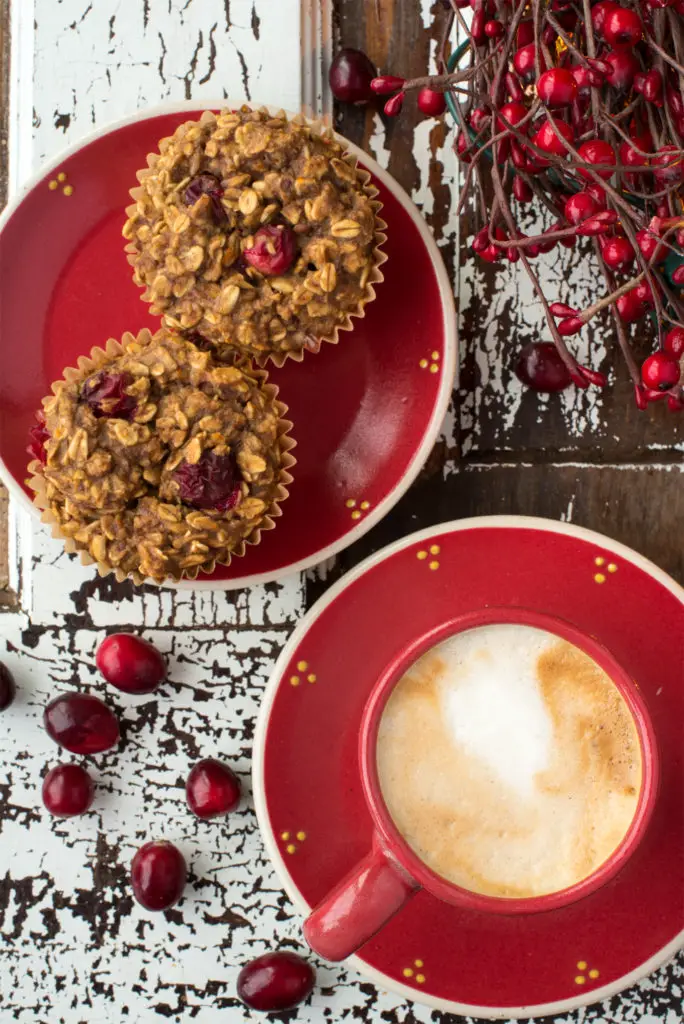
(509, 761)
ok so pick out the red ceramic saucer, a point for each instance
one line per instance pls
(366, 412)
(306, 779)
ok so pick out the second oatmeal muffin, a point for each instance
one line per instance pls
(255, 232)
(156, 463)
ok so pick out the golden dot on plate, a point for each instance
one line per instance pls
(294, 680)
(420, 978)
(582, 965)
(285, 836)
(61, 176)
(407, 972)
(421, 555)
(418, 963)
(68, 190)
(434, 355)
(356, 514)
(434, 368)
(311, 677)
(593, 973)
(598, 560)
(434, 565)
(291, 848)
(580, 979)
(52, 185)
(599, 578)
(365, 505)
(301, 836)
(423, 364)
(302, 665)
(612, 567)
(434, 549)
(350, 503)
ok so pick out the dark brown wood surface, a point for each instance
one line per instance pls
(618, 471)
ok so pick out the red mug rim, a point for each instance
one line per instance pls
(388, 834)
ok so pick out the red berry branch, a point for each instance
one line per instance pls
(579, 107)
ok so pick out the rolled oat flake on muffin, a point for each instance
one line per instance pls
(157, 462)
(256, 233)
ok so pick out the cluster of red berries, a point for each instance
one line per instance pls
(84, 725)
(353, 79)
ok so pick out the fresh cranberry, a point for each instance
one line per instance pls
(351, 74)
(622, 66)
(599, 12)
(597, 152)
(650, 246)
(130, 663)
(580, 207)
(678, 275)
(557, 87)
(644, 293)
(478, 118)
(541, 368)
(618, 253)
(273, 251)
(383, 85)
(493, 29)
(211, 483)
(158, 875)
(275, 981)
(81, 723)
(68, 790)
(668, 167)
(630, 157)
(631, 307)
(431, 102)
(105, 394)
(212, 789)
(38, 435)
(547, 139)
(206, 184)
(525, 33)
(660, 371)
(622, 27)
(7, 688)
(673, 344)
(463, 150)
(524, 62)
(598, 193)
(511, 114)
(394, 104)
(650, 85)
(521, 190)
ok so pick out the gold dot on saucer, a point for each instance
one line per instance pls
(434, 355)
(285, 836)
(68, 190)
(434, 565)
(423, 364)
(421, 555)
(52, 185)
(356, 514)
(294, 680)
(582, 965)
(434, 549)
(365, 505)
(418, 963)
(407, 972)
(612, 567)
(301, 836)
(420, 978)
(599, 578)
(593, 973)
(311, 678)
(350, 503)
(434, 367)
(598, 560)
(291, 848)
(61, 176)
(580, 979)
(302, 666)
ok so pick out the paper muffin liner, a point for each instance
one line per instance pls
(379, 257)
(97, 360)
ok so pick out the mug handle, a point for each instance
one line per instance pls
(359, 905)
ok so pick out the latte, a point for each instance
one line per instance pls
(509, 761)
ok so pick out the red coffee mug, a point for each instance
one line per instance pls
(392, 872)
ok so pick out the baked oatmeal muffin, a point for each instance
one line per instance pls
(255, 232)
(157, 462)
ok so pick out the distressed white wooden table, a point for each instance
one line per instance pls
(74, 947)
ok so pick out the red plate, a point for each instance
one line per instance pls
(308, 793)
(366, 412)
